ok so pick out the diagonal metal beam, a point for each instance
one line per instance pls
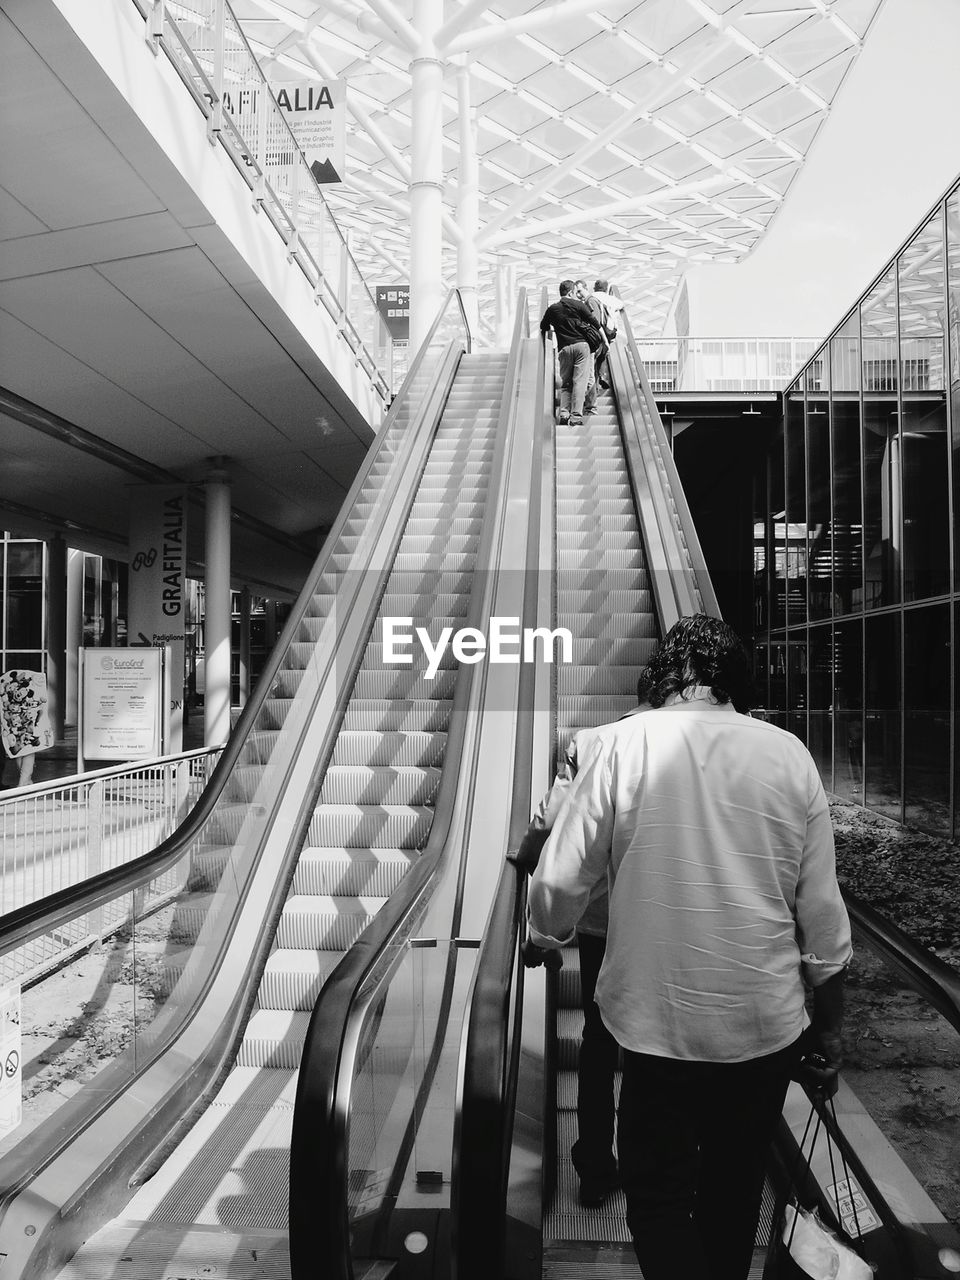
(410, 39)
(593, 145)
(630, 205)
(453, 26)
(481, 37)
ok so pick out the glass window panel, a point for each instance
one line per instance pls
(926, 515)
(777, 693)
(848, 710)
(23, 597)
(796, 530)
(881, 444)
(761, 547)
(820, 741)
(926, 700)
(953, 282)
(797, 684)
(778, 534)
(819, 526)
(845, 436)
(882, 715)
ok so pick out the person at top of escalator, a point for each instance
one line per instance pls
(714, 833)
(577, 339)
(606, 308)
(598, 1055)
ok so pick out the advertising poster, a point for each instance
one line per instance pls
(122, 711)
(24, 726)
(157, 608)
(315, 110)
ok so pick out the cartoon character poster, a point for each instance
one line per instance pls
(24, 726)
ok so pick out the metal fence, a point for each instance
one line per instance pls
(207, 47)
(723, 364)
(58, 833)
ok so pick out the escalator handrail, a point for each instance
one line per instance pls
(489, 1057)
(690, 541)
(319, 1141)
(34, 919)
(923, 971)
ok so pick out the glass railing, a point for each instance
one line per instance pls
(206, 45)
(723, 364)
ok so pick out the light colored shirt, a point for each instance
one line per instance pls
(714, 832)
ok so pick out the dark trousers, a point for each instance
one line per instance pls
(596, 1066)
(693, 1141)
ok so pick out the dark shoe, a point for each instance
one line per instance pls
(576, 420)
(588, 412)
(594, 1188)
(563, 417)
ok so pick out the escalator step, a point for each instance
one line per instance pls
(422, 715)
(355, 826)
(383, 784)
(587, 681)
(604, 602)
(404, 683)
(389, 748)
(274, 1038)
(601, 579)
(292, 978)
(354, 872)
(325, 922)
(625, 626)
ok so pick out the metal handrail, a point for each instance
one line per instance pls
(490, 1049)
(247, 157)
(319, 1142)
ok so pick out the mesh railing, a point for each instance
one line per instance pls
(58, 833)
(208, 49)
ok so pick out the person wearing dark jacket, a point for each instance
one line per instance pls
(578, 338)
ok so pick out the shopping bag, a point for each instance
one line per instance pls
(806, 1249)
(809, 1251)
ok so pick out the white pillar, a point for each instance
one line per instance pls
(245, 610)
(468, 204)
(426, 187)
(216, 625)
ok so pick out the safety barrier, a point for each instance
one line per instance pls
(61, 832)
(207, 47)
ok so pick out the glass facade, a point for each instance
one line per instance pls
(856, 541)
(21, 604)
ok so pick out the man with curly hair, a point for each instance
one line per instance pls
(713, 832)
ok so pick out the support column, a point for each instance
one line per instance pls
(426, 187)
(216, 625)
(55, 641)
(244, 646)
(74, 638)
(468, 205)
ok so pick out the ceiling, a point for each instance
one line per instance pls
(136, 343)
(622, 140)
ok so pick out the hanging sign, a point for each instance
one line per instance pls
(315, 110)
(157, 605)
(393, 303)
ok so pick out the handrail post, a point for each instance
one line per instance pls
(215, 119)
(95, 839)
(155, 17)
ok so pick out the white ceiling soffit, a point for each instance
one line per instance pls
(620, 140)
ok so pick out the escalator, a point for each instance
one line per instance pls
(324, 800)
(627, 565)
